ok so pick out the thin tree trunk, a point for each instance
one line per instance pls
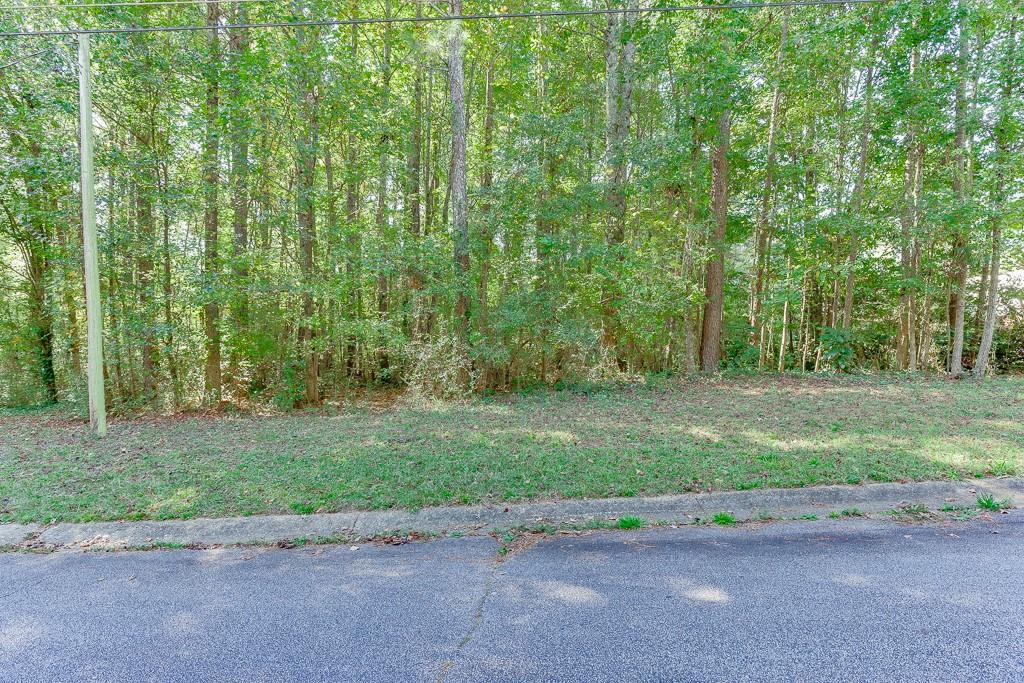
(146, 219)
(414, 277)
(353, 237)
(486, 183)
(168, 295)
(691, 320)
(459, 200)
(961, 187)
(785, 320)
(381, 215)
(211, 218)
(306, 155)
(1002, 138)
(238, 45)
(34, 247)
(42, 319)
(620, 57)
(906, 351)
(762, 227)
(857, 201)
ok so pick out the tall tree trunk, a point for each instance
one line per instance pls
(238, 45)
(306, 155)
(961, 187)
(711, 335)
(211, 218)
(460, 222)
(1002, 135)
(691, 320)
(546, 228)
(353, 237)
(34, 247)
(414, 172)
(859, 188)
(146, 220)
(42, 319)
(168, 295)
(620, 58)
(381, 215)
(762, 227)
(906, 351)
(486, 238)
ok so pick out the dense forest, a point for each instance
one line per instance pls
(289, 213)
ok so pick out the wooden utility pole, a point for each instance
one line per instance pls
(93, 311)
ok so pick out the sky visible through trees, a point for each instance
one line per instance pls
(289, 213)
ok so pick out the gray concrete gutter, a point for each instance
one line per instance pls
(344, 526)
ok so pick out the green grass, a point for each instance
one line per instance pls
(723, 519)
(911, 513)
(987, 502)
(848, 512)
(631, 522)
(665, 437)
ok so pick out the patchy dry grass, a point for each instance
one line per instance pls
(738, 433)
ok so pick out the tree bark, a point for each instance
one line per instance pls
(238, 45)
(381, 215)
(1002, 135)
(711, 335)
(168, 295)
(459, 200)
(961, 188)
(857, 200)
(620, 58)
(34, 246)
(211, 217)
(906, 351)
(414, 179)
(306, 155)
(486, 238)
(353, 237)
(146, 220)
(762, 227)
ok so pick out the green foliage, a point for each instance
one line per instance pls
(723, 519)
(837, 350)
(588, 253)
(988, 502)
(631, 522)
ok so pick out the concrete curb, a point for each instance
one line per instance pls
(13, 534)
(685, 508)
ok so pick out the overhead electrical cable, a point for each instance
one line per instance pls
(441, 18)
(129, 3)
(21, 59)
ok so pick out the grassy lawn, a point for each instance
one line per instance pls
(674, 436)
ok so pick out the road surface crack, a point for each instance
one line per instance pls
(22, 589)
(477, 619)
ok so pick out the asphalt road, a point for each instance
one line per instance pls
(809, 601)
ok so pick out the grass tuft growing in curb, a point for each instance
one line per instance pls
(723, 519)
(631, 522)
(988, 502)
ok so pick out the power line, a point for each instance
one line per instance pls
(129, 3)
(447, 17)
(21, 59)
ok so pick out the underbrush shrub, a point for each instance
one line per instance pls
(440, 369)
(837, 349)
